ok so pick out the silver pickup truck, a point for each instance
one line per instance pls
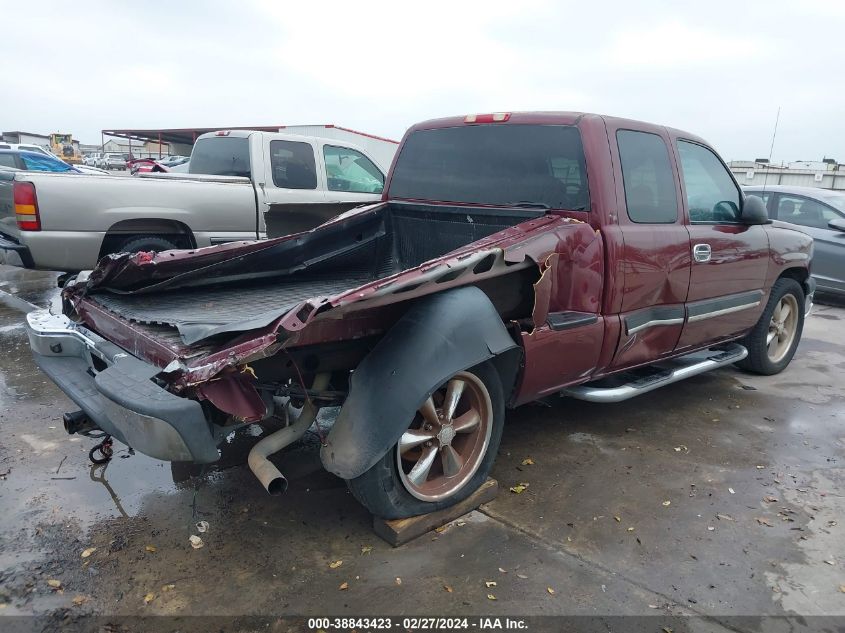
(242, 185)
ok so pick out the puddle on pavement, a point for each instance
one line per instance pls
(34, 286)
(812, 587)
(19, 377)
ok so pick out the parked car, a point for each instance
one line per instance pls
(494, 272)
(28, 147)
(112, 161)
(172, 161)
(34, 161)
(242, 186)
(92, 160)
(819, 213)
(181, 168)
(145, 166)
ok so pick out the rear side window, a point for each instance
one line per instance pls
(293, 165)
(712, 195)
(650, 194)
(221, 156)
(349, 170)
(7, 160)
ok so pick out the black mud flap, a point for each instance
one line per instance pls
(438, 337)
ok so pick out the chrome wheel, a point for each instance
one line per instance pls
(782, 328)
(447, 439)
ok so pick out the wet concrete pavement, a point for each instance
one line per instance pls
(719, 496)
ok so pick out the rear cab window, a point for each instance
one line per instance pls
(293, 165)
(495, 165)
(221, 156)
(647, 176)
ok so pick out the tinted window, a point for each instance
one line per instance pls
(804, 211)
(348, 170)
(494, 164)
(7, 160)
(647, 175)
(293, 165)
(712, 195)
(221, 156)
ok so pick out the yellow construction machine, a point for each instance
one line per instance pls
(62, 146)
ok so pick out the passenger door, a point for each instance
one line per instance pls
(813, 217)
(351, 177)
(655, 256)
(295, 189)
(729, 259)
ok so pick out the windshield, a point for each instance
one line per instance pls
(221, 156)
(836, 200)
(494, 164)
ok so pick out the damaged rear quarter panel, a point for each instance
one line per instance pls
(565, 251)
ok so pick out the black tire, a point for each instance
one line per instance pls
(758, 360)
(146, 243)
(381, 489)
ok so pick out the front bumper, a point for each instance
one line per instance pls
(116, 391)
(14, 254)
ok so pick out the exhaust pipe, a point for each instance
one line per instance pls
(77, 422)
(270, 476)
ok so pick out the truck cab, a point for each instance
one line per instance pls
(300, 181)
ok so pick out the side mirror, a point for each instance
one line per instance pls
(754, 211)
(837, 224)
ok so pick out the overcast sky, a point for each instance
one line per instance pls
(717, 69)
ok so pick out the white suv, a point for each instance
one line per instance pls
(112, 161)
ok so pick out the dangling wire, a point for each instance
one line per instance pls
(105, 449)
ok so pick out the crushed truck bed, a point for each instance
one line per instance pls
(245, 292)
(199, 313)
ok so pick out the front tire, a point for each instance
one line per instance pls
(446, 453)
(774, 339)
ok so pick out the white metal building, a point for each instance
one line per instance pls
(825, 174)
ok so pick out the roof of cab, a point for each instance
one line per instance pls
(552, 118)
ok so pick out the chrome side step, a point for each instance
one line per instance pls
(658, 375)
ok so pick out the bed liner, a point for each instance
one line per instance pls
(250, 291)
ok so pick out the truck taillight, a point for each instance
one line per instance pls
(26, 206)
(495, 117)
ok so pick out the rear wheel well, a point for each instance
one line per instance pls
(176, 232)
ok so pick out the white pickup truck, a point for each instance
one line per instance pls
(241, 185)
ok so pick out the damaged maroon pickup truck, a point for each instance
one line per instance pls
(513, 257)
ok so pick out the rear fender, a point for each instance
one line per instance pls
(439, 336)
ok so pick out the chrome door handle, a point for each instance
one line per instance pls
(701, 253)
